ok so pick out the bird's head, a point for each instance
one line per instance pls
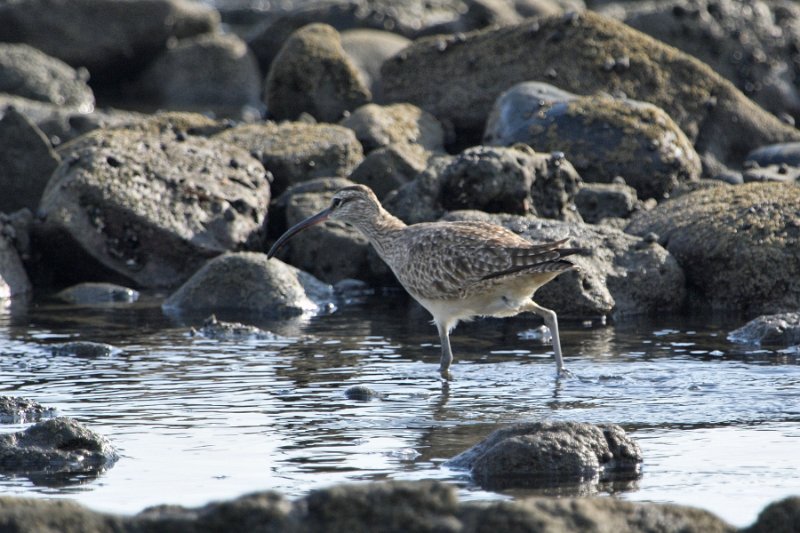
(356, 205)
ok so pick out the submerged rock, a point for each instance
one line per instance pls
(97, 293)
(542, 453)
(83, 349)
(769, 330)
(361, 393)
(56, 446)
(739, 245)
(230, 331)
(15, 410)
(313, 74)
(249, 282)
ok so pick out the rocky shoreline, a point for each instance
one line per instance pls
(658, 137)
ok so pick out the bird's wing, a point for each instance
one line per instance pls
(445, 259)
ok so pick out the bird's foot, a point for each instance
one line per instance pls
(446, 374)
(564, 373)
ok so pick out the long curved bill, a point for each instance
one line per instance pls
(322, 216)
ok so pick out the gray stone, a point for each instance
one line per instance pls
(739, 245)
(776, 154)
(26, 162)
(603, 137)
(368, 49)
(513, 180)
(782, 516)
(27, 72)
(151, 204)
(386, 169)
(597, 201)
(457, 79)
(295, 151)
(210, 72)
(379, 126)
(15, 410)
(775, 173)
(97, 293)
(769, 330)
(82, 349)
(250, 283)
(539, 454)
(277, 209)
(751, 44)
(313, 74)
(58, 445)
(103, 35)
(616, 274)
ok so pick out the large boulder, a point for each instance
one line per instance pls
(249, 283)
(26, 162)
(458, 78)
(752, 44)
(108, 37)
(739, 245)
(604, 138)
(150, 204)
(378, 126)
(297, 151)
(27, 72)
(539, 454)
(782, 329)
(211, 71)
(56, 446)
(368, 49)
(16, 410)
(313, 74)
(617, 274)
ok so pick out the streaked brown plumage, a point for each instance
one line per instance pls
(456, 270)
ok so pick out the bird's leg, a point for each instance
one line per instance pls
(551, 321)
(447, 354)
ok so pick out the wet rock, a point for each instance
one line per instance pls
(83, 349)
(212, 71)
(739, 245)
(604, 138)
(131, 31)
(13, 278)
(249, 282)
(379, 126)
(458, 78)
(15, 410)
(769, 330)
(385, 169)
(368, 49)
(313, 74)
(775, 154)
(774, 173)
(541, 453)
(510, 180)
(752, 45)
(59, 445)
(149, 204)
(782, 516)
(330, 251)
(230, 331)
(616, 274)
(361, 393)
(97, 293)
(296, 151)
(395, 505)
(597, 201)
(26, 162)
(27, 72)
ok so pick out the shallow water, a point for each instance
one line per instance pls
(197, 419)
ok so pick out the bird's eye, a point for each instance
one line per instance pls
(336, 202)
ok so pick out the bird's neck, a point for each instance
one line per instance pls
(382, 230)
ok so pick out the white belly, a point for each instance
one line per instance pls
(499, 302)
